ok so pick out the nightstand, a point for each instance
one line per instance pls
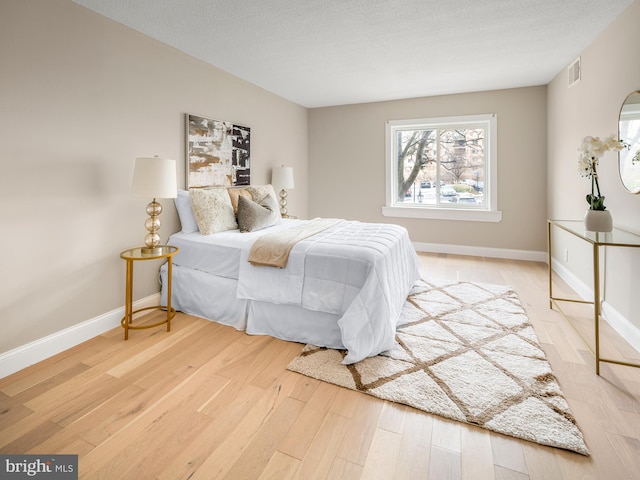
(134, 255)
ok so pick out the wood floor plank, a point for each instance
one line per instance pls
(320, 455)
(627, 449)
(444, 464)
(541, 464)
(111, 352)
(381, 462)
(502, 473)
(280, 467)
(415, 446)
(100, 424)
(244, 401)
(446, 434)
(255, 457)
(224, 457)
(361, 426)
(567, 343)
(154, 350)
(577, 466)
(11, 411)
(344, 470)
(305, 388)
(46, 372)
(476, 454)
(106, 452)
(24, 442)
(347, 402)
(303, 431)
(392, 417)
(275, 359)
(49, 382)
(508, 453)
(599, 444)
(185, 462)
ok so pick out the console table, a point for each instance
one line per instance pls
(598, 240)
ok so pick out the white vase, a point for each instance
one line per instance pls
(598, 221)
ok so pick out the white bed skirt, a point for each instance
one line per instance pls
(214, 298)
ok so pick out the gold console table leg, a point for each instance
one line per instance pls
(596, 303)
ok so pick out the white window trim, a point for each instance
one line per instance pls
(488, 214)
(443, 213)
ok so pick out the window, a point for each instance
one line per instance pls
(442, 168)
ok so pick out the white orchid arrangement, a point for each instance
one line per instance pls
(591, 150)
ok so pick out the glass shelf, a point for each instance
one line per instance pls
(616, 238)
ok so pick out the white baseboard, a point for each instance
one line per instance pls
(582, 289)
(43, 348)
(621, 325)
(617, 321)
(529, 255)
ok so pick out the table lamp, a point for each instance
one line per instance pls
(282, 178)
(154, 177)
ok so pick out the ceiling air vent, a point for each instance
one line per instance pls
(574, 72)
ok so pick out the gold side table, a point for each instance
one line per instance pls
(598, 240)
(135, 254)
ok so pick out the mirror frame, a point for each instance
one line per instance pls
(630, 157)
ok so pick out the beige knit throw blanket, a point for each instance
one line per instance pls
(272, 249)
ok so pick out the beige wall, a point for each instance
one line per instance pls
(347, 165)
(610, 71)
(80, 98)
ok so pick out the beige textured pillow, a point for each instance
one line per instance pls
(234, 193)
(259, 192)
(256, 216)
(212, 210)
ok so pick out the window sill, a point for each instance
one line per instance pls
(457, 214)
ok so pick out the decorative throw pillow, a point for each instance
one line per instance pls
(259, 192)
(256, 216)
(234, 193)
(212, 210)
(185, 214)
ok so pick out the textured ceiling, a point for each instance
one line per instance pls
(332, 52)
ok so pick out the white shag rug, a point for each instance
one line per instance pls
(465, 351)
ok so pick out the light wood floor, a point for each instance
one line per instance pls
(205, 401)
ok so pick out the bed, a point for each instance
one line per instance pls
(342, 287)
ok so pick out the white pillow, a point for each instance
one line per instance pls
(185, 214)
(212, 210)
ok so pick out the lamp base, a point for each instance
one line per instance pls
(283, 203)
(152, 224)
(151, 250)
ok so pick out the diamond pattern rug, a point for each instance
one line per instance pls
(465, 351)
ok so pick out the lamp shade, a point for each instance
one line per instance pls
(154, 177)
(282, 177)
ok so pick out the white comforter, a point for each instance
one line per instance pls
(362, 271)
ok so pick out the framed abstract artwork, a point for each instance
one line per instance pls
(218, 153)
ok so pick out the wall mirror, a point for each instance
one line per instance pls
(629, 131)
